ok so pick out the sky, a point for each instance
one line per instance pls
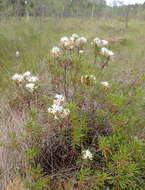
(110, 2)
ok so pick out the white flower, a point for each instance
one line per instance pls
(105, 83)
(57, 108)
(18, 78)
(110, 53)
(106, 52)
(64, 39)
(87, 155)
(97, 41)
(26, 2)
(100, 43)
(72, 39)
(69, 44)
(31, 87)
(58, 99)
(17, 53)
(81, 41)
(104, 42)
(55, 51)
(32, 79)
(58, 111)
(27, 75)
(81, 51)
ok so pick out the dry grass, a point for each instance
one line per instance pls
(16, 184)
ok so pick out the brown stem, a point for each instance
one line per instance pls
(95, 59)
(65, 81)
(105, 64)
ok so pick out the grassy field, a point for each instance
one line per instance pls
(34, 38)
(25, 123)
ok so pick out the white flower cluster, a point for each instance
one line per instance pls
(106, 52)
(18, 78)
(81, 41)
(55, 51)
(105, 84)
(27, 80)
(87, 155)
(73, 41)
(69, 43)
(57, 109)
(100, 43)
(88, 79)
(101, 47)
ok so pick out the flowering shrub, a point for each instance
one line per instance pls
(76, 125)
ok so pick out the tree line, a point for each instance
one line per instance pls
(69, 8)
(60, 8)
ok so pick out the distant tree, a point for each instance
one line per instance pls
(96, 6)
(126, 10)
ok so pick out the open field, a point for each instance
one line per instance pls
(109, 121)
(34, 38)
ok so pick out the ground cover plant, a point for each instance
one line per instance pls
(72, 105)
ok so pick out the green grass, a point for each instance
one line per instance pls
(35, 37)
